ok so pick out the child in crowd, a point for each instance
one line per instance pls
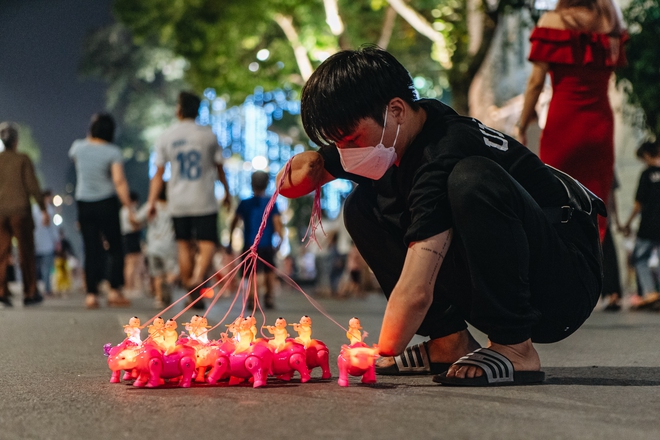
(131, 232)
(63, 273)
(46, 242)
(647, 204)
(161, 249)
(251, 211)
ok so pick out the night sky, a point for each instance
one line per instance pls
(40, 48)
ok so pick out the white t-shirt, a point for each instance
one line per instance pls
(93, 169)
(193, 153)
(160, 230)
(46, 238)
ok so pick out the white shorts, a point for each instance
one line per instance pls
(160, 265)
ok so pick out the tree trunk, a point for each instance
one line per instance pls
(460, 79)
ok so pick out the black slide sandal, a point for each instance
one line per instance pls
(498, 371)
(413, 361)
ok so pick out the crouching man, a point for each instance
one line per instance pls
(458, 222)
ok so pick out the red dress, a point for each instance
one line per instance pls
(578, 137)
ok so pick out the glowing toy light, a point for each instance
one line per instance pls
(279, 334)
(133, 330)
(304, 330)
(170, 336)
(239, 354)
(157, 332)
(357, 359)
(207, 293)
(317, 352)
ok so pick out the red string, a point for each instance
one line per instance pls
(315, 220)
(248, 262)
(295, 285)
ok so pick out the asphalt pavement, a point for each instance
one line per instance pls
(603, 382)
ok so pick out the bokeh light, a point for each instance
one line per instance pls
(259, 163)
(263, 54)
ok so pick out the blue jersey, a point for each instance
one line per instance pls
(252, 211)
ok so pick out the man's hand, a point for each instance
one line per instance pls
(413, 294)
(305, 175)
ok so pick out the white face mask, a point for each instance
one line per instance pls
(370, 162)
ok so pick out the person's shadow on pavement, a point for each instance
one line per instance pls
(603, 376)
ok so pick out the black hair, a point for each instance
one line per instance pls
(102, 126)
(650, 148)
(349, 86)
(260, 181)
(9, 135)
(188, 105)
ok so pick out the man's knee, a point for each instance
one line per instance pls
(355, 207)
(469, 177)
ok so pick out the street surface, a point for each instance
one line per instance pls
(602, 383)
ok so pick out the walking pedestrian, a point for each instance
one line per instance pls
(18, 182)
(251, 212)
(195, 160)
(101, 189)
(46, 241)
(647, 206)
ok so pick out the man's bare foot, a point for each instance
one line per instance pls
(447, 349)
(452, 347)
(523, 356)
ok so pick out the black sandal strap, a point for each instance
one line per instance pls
(413, 359)
(496, 367)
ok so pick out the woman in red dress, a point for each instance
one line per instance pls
(580, 44)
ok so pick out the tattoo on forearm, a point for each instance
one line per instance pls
(439, 255)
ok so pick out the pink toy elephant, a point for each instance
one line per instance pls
(122, 357)
(318, 355)
(206, 357)
(153, 366)
(358, 359)
(290, 358)
(254, 363)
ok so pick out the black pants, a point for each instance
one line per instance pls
(99, 225)
(509, 271)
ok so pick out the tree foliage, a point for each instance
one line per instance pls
(143, 82)
(27, 144)
(222, 39)
(642, 74)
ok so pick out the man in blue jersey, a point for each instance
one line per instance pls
(196, 162)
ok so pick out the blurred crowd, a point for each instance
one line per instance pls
(166, 244)
(171, 240)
